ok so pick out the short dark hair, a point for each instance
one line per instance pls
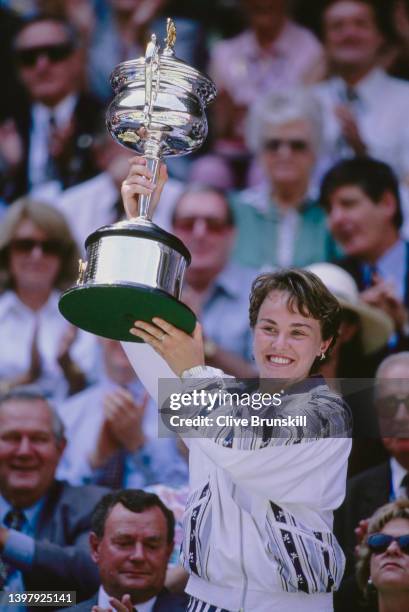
(135, 500)
(373, 4)
(307, 293)
(374, 177)
(199, 188)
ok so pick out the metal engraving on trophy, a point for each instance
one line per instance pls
(133, 268)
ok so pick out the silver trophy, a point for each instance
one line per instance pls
(134, 269)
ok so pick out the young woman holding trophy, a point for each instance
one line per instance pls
(258, 523)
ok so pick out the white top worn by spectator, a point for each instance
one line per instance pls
(242, 68)
(380, 105)
(17, 328)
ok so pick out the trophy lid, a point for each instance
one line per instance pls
(173, 71)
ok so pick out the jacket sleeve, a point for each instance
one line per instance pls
(312, 473)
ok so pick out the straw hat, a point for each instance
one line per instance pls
(376, 326)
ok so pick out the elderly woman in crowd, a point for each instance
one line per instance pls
(39, 258)
(383, 558)
(279, 222)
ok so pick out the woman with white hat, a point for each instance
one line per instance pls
(363, 334)
(364, 330)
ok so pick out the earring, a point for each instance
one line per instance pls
(322, 356)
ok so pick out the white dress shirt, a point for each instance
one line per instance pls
(38, 153)
(103, 602)
(17, 326)
(380, 108)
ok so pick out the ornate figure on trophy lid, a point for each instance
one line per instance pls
(134, 269)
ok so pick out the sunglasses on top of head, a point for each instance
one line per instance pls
(379, 542)
(27, 245)
(55, 53)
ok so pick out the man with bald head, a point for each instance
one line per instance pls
(371, 489)
(44, 524)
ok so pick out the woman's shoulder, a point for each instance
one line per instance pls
(332, 410)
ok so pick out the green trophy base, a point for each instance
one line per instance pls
(110, 310)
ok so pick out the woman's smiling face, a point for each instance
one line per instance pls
(286, 343)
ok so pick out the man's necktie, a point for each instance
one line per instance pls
(14, 519)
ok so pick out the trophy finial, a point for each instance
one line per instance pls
(170, 36)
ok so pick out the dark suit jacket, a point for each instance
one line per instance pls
(62, 560)
(165, 602)
(77, 164)
(366, 492)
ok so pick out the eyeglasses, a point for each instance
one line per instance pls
(27, 245)
(213, 226)
(388, 406)
(297, 145)
(379, 542)
(55, 53)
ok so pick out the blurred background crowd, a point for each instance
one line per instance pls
(306, 164)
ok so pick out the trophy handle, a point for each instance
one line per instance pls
(152, 147)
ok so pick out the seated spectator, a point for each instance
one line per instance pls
(44, 523)
(280, 223)
(362, 201)
(131, 542)
(362, 338)
(273, 53)
(97, 201)
(364, 330)
(111, 429)
(49, 137)
(369, 490)
(383, 562)
(39, 258)
(215, 288)
(364, 109)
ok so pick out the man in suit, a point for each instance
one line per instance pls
(131, 542)
(44, 524)
(368, 491)
(362, 201)
(47, 134)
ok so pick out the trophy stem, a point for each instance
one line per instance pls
(144, 201)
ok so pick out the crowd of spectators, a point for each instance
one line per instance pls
(306, 165)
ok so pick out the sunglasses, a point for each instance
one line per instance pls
(213, 226)
(379, 542)
(27, 245)
(55, 53)
(297, 145)
(389, 406)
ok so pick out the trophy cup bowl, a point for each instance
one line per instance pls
(134, 269)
